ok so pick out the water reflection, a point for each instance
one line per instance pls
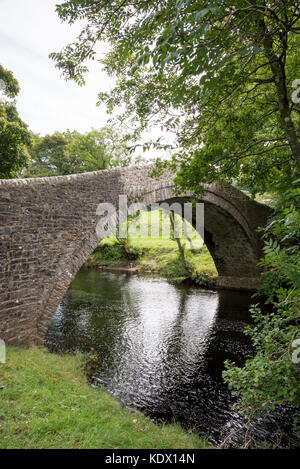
(162, 347)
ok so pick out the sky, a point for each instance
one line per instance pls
(29, 31)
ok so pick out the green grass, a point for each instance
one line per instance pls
(156, 256)
(45, 402)
(160, 254)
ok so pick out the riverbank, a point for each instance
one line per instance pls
(156, 256)
(46, 402)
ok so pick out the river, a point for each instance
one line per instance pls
(161, 350)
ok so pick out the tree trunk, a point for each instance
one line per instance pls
(180, 248)
(123, 241)
(278, 71)
(187, 235)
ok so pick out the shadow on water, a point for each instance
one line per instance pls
(162, 348)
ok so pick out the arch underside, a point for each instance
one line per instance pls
(234, 252)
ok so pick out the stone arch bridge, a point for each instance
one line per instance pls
(47, 231)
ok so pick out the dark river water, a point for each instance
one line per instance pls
(161, 350)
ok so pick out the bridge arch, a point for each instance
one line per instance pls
(48, 230)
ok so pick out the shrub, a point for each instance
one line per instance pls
(271, 377)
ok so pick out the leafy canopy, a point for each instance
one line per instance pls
(220, 75)
(8, 84)
(15, 138)
(72, 152)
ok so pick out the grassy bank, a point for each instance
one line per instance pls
(153, 248)
(157, 256)
(45, 402)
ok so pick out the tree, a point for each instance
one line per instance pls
(98, 149)
(72, 152)
(8, 84)
(48, 157)
(221, 75)
(173, 220)
(15, 138)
